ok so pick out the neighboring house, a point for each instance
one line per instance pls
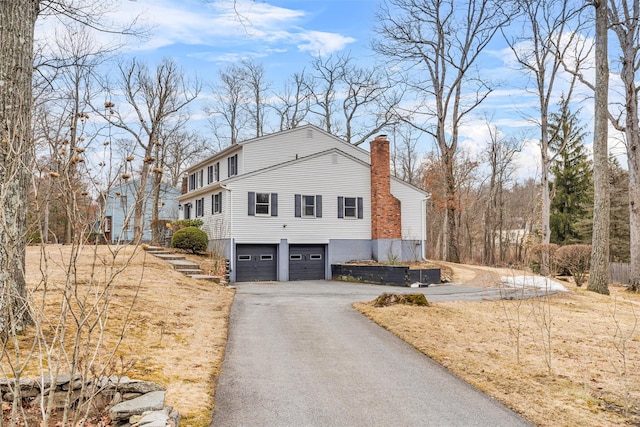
(118, 208)
(288, 205)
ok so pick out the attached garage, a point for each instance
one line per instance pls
(256, 263)
(307, 262)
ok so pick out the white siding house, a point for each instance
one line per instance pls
(287, 205)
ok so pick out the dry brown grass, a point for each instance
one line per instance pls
(175, 334)
(588, 385)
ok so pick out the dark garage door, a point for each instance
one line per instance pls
(306, 262)
(256, 263)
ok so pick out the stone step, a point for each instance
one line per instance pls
(183, 265)
(155, 249)
(170, 257)
(215, 279)
(190, 271)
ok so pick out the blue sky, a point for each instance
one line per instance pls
(205, 36)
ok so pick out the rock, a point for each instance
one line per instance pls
(130, 396)
(174, 419)
(152, 419)
(138, 386)
(153, 401)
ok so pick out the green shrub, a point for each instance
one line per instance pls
(190, 239)
(183, 223)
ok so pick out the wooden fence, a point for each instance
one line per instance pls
(619, 272)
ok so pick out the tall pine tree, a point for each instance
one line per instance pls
(571, 188)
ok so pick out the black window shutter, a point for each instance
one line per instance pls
(360, 207)
(220, 201)
(228, 166)
(340, 207)
(274, 204)
(318, 206)
(213, 203)
(252, 203)
(298, 205)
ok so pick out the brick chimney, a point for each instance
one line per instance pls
(185, 185)
(385, 208)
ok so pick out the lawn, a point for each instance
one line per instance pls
(566, 360)
(175, 327)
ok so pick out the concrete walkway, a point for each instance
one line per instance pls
(299, 355)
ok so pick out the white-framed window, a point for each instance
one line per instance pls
(350, 207)
(308, 206)
(192, 181)
(199, 207)
(216, 203)
(262, 204)
(123, 202)
(216, 171)
(232, 165)
(200, 178)
(210, 174)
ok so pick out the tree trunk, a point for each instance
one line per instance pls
(17, 21)
(599, 272)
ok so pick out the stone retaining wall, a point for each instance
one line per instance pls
(385, 274)
(130, 402)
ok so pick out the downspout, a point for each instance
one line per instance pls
(424, 227)
(232, 246)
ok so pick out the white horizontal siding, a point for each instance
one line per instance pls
(329, 175)
(283, 147)
(217, 226)
(411, 208)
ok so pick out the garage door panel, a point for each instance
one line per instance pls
(256, 263)
(307, 262)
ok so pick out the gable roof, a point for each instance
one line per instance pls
(206, 189)
(299, 129)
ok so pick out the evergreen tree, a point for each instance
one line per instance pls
(571, 188)
(619, 231)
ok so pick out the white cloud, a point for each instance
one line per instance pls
(223, 25)
(322, 43)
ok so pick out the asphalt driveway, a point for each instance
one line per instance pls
(299, 355)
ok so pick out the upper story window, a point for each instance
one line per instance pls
(308, 206)
(350, 207)
(232, 165)
(196, 180)
(263, 204)
(123, 202)
(213, 173)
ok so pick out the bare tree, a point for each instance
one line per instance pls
(182, 148)
(546, 41)
(500, 152)
(157, 100)
(328, 75)
(227, 114)
(17, 21)
(599, 271)
(438, 42)
(294, 103)
(624, 16)
(257, 87)
(369, 104)
(406, 161)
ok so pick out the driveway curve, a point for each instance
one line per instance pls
(298, 354)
